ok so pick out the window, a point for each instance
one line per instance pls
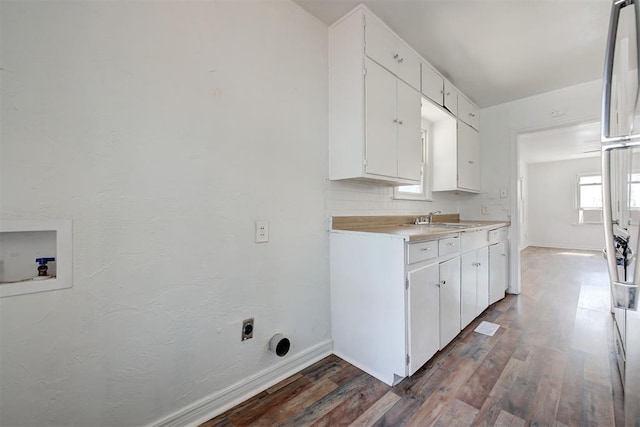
(590, 199)
(419, 191)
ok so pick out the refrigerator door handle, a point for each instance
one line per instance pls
(607, 216)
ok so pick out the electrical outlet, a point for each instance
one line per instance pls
(262, 231)
(247, 329)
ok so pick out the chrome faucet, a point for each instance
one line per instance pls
(426, 219)
(431, 214)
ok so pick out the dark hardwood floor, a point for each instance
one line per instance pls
(550, 363)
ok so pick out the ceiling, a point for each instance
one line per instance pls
(495, 51)
(570, 142)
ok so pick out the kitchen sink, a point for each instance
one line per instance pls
(442, 225)
(448, 225)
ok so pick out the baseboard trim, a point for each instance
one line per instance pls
(220, 401)
(575, 247)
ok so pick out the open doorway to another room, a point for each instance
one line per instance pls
(559, 188)
(559, 192)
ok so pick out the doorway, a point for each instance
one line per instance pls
(558, 189)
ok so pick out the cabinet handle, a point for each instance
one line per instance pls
(401, 60)
(472, 114)
(451, 244)
(396, 56)
(444, 282)
(448, 93)
(470, 162)
(425, 249)
(438, 284)
(400, 122)
(503, 254)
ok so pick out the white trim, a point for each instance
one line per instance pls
(568, 248)
(222, 400)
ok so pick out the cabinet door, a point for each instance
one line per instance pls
(423, 316)
(449, 301)
(450, 97)
(381, 44)
(468, 113)
(432, 84)
(497, 271)
(468, 293)
(482, 280)
(468, 157)
(381, 116)
(409, 132)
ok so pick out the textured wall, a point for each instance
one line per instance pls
(551, 207)
(163, 130)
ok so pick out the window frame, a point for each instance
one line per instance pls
(579, 208)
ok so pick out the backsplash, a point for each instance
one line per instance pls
(344, 198)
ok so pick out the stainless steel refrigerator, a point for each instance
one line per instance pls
(621, 192)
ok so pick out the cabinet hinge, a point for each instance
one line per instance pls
(406, 284)
(364, 71)
(364, 162)
(408, 359)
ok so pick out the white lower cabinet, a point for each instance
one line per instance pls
(449, 300)
(474, 277)
(423, 315)
(394, 304)
(498, 271)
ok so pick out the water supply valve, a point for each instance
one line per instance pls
(42, 268)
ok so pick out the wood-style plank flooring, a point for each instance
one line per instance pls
(550, 363)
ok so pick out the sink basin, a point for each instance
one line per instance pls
(442, 225)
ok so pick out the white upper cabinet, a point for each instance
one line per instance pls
(393, 145)
(375, 125)
(456, 161)
(450, 97)
(409, 144)
(468, 158)
(374, 112)
(388, 50)
(468, 113)
(432, 84)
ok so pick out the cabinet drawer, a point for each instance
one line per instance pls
(449, 246)
(422, 251)
(468, 113)
(473, 240)
(498, 235)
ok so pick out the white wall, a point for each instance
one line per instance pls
(552, 206)
(163, 130)
(499, 127)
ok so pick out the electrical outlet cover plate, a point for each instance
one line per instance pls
(262, 231)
